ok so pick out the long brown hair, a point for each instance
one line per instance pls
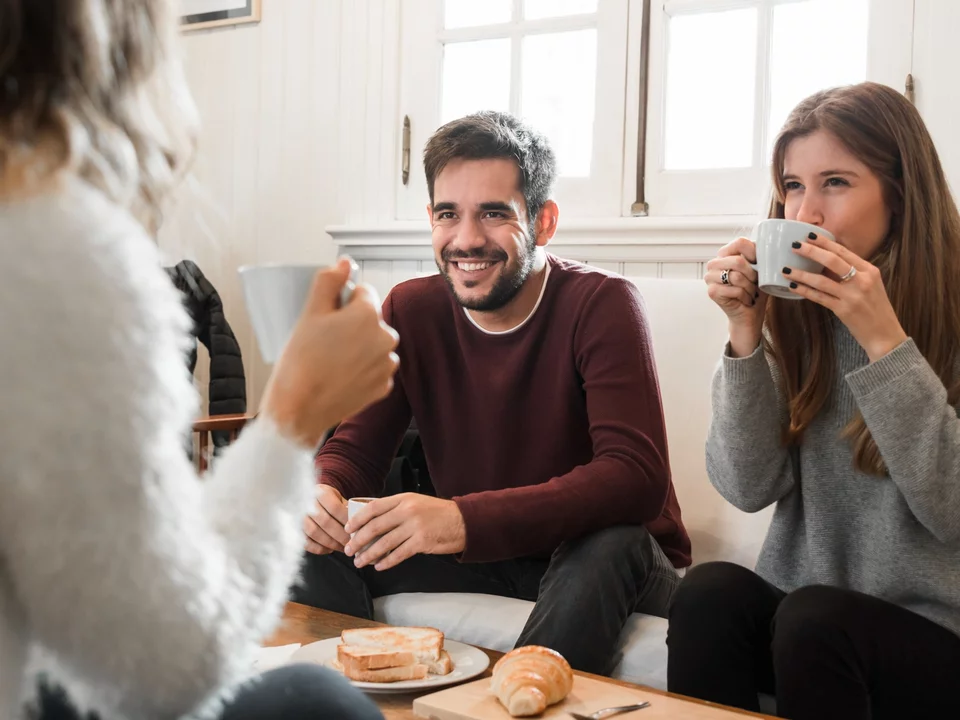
(919, 260)
(94, 87)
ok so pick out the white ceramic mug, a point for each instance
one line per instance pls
(275, 296)
(774, 239)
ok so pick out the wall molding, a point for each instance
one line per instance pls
(634, 247)
(613, 244)
(613, 231)
(584, 253)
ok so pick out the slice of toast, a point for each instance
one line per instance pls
(425, 643)
(443, 666)
(388, 675)
(362, 658)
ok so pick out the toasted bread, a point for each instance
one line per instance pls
(425, 643)
(388, 675)
(363, 658)
(443, 666)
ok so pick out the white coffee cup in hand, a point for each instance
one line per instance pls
(774, 239)
(336, 362)
(275, 296)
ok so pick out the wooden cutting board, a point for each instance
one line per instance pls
(474, 701)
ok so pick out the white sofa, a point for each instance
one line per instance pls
(689, 332)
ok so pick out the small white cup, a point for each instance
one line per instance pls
(355, 505)
(774, 239)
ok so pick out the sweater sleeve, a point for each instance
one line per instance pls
(357, 458)
(904, 404)
(628, 480)
(144, 580)
(746, 460)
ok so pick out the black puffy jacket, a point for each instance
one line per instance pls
(228, 386)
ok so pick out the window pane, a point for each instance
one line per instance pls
(711, 84)
(476, 76)
(470, 13)
(535, 9)
(839, 30)
(558, 92)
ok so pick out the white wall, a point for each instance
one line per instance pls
(302, 131)
(265, 183)
(935, 60)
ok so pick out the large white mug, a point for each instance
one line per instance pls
(275, 296)
(774, 239)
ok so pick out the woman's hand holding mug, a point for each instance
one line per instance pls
(732, 284)
(337, 361)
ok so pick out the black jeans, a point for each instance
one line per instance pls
(824, 652)
(584, 593)
(293, 692)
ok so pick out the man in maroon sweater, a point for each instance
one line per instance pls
(533, 386)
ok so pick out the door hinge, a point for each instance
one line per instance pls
(910, 89)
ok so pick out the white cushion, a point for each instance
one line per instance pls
(496, 623)
(689, 333)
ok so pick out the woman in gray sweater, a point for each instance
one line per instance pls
(840, 409)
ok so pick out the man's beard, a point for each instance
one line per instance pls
(507, 284)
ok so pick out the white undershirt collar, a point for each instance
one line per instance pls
(523, 322)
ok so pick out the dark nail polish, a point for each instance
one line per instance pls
(812, 236)
(793, 286)
(796, 245)
(786, 271)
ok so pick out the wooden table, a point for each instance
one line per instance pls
(302, 624)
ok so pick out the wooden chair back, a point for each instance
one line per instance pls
(202, 428)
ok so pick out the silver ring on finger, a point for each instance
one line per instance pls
(850, 275)
(725, 277)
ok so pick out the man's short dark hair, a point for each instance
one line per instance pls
(490, 134)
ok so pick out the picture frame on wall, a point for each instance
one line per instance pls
(203, 14)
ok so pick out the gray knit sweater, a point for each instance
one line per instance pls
(896, 538)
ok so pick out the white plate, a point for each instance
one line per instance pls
(468, 662)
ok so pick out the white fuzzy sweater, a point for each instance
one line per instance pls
(151, 588)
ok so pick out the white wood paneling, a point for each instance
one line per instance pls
(384, 273)
(379, 274)
(266, 178)
(401, 270)
(936, 58)
(675, 270)
(641, 269)
(607, 265)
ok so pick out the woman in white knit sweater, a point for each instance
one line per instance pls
(150, 590)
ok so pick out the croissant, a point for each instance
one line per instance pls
(529, 679)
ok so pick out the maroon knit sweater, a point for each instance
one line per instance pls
(547, 433)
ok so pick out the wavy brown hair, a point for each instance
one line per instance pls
(919, 260)
(94, 87)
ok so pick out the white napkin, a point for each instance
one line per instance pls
(271, 657)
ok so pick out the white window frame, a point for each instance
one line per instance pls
(422, 38)
(746, 191)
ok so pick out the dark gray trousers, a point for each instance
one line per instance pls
(584, 593)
